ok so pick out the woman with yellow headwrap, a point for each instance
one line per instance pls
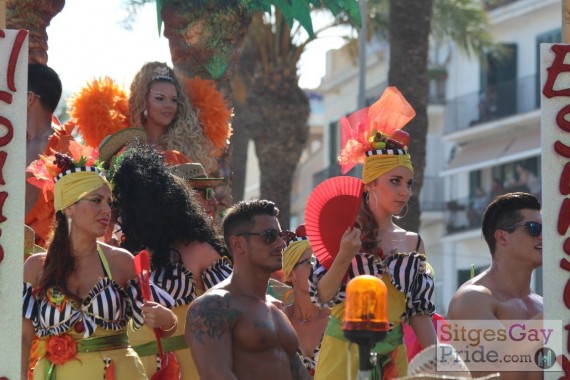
(80, 295)
(373, 136)
(308, 320)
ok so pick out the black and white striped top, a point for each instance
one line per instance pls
(107, 306)
(180, 283)
(408, 273)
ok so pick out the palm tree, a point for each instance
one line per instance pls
(276, 107)
(409, 44)
(35, 16)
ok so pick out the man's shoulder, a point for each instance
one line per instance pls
(472, 299)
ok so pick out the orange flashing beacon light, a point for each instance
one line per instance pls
(365, 315)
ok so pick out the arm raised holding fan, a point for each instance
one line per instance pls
(330, 283)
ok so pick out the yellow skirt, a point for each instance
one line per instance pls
(146, 334)
(92, 365)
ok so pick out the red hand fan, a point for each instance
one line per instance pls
(331, 208)
(142, 268)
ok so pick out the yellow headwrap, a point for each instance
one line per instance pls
(291, 256)
(74, 186)
(377, 165)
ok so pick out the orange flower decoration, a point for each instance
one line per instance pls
(45, 169)
(60, 349)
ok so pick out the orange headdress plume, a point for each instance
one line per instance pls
(212, 110)
(99, 109)
(374, 128)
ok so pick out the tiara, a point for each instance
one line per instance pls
(161, 73)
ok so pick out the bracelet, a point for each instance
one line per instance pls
(174, 324)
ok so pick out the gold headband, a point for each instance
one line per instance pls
(74, 186)
(291, 256)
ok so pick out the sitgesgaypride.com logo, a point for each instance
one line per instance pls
(493, 345)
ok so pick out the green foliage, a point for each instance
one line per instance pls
(462, 21)
(217, 66)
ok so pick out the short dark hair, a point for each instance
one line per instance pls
(45, 83)
(505, 211)
(242, 216)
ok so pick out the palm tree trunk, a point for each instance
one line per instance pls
(409, 33)
(204, 39)
(35, 16)
(279, 111)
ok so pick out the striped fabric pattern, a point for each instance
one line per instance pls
(378, 152)
(158, 295)
(180, 284)
(408, 273)
(75, 170)
(106, 306)
(217, 273)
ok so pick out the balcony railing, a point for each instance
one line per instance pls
(466, 214)
(497, 102)
(431, 196)
(492, 4)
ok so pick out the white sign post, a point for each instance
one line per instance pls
(13, 90)
(555, 129)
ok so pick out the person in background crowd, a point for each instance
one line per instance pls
(42, 136)
(308, 320)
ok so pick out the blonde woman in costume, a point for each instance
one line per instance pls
(158, 104)
(308, 320)
(379, 247)
(80, 295)
(159, 212)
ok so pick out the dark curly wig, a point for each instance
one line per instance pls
(157, 209)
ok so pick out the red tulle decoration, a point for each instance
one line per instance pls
(391, 112)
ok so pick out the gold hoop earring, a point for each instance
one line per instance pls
(402, 216)
(375, 201)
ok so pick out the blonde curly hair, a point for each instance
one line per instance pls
(185, 133)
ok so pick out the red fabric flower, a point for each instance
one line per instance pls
(60, 349)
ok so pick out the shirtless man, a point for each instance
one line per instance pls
(44, 92)
(512, 227)
(234, 322)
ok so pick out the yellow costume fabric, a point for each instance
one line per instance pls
(145, 335)
(377, 165)
(91, 365)
(292, 255)
(74, 186)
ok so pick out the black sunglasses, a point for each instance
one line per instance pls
(534, 228)
(309, 260)
(269, 235)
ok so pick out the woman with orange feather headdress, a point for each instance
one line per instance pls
(373, 136)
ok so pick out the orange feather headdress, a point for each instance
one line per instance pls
(99, 109)
(212, 110)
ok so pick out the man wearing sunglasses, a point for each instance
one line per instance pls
(512, 228)
(234, 321)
